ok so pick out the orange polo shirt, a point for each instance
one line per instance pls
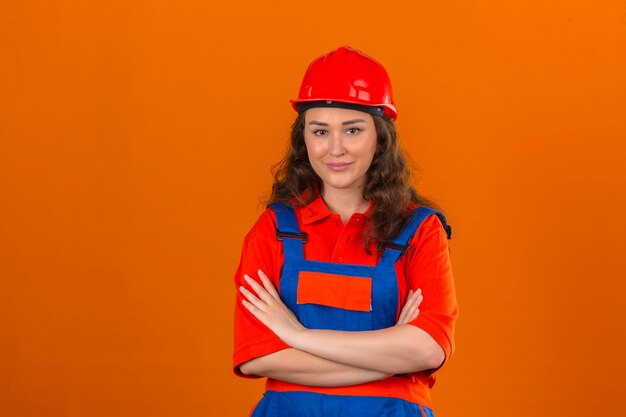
(426, 265)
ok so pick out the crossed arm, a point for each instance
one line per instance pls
(336, 358)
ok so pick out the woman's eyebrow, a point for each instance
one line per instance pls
(347, 122)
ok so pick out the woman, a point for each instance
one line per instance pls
(346, 301)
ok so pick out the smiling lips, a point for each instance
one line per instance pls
(338, 166)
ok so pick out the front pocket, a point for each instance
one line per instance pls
(339, 291)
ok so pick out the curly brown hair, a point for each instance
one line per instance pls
(388, 183)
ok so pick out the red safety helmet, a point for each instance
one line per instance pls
(346, 76)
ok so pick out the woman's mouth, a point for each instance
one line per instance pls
(338, 166)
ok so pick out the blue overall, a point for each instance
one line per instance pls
(384, 306)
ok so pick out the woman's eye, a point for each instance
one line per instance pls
(319, 132)
(353, 130)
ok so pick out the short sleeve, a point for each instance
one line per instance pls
(428, 268)
(260, 251)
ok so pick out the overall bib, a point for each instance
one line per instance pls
(332, 296)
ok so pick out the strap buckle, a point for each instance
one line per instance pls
(291, 235)
(388, 245)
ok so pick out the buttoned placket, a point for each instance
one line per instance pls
(343, 246)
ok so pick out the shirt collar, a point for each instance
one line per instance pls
(317, 210)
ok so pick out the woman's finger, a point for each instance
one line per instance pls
(412, 298)
(404, 314)
(256, 312)
(260, 291)
(416, 298)
(419, 299)
(252, 299)
(410, 310)
(411, 315)
(267, 283)
(404, 318)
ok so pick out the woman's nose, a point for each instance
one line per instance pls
(335, 145)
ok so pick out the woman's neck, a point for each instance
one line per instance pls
(345, 202)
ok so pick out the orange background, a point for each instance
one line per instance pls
(136, 140)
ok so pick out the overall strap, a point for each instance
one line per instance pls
(399, 246)
(289, 231)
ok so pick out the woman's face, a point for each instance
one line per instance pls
(341, 144)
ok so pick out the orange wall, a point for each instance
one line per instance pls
(136, 139)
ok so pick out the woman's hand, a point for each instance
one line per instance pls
(410, 310)
(266, 305)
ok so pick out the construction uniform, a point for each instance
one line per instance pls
(331, 282)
